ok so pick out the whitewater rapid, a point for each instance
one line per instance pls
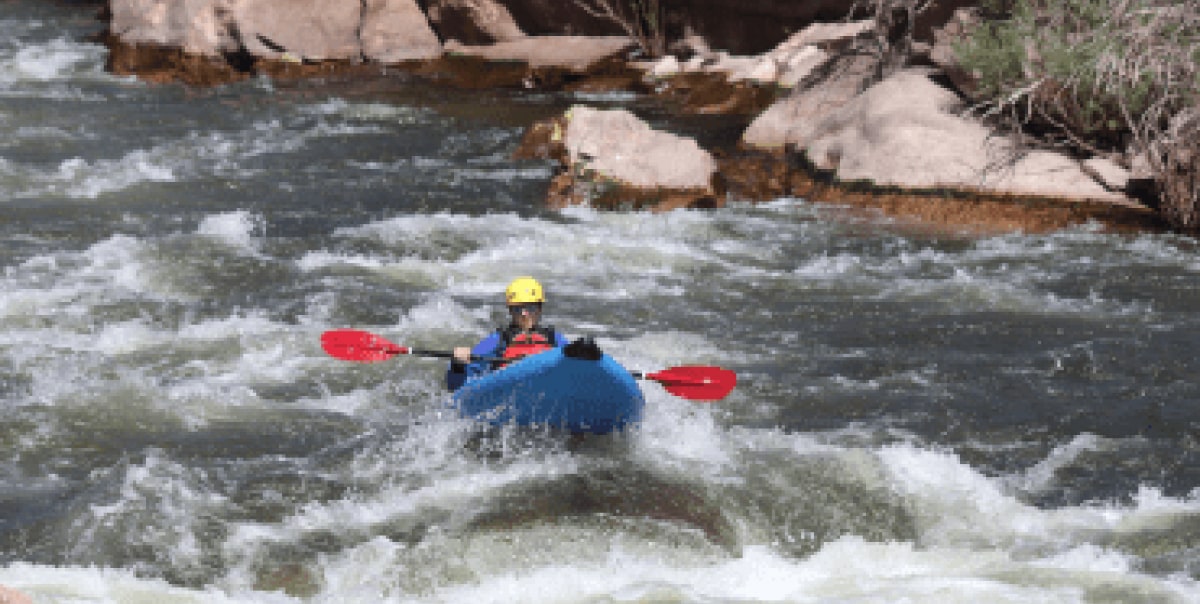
(919, 417)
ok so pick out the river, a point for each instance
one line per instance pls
(920, 417)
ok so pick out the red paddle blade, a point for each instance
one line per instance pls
(361, 346)
(696, 383)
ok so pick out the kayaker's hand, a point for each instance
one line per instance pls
(462, 354)
(583, 348)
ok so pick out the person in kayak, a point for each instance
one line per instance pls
(523, 336)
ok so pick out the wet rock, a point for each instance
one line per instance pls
(474, 72)
(544, 140)
(703, 93)
(618, 145)
(641, 498)
(760, 175)
(612, 159)
(199, 27)
(292, 578)
(161, 64)
(793, 119)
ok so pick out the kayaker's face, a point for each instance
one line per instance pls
(525, 316)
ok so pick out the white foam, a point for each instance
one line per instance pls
(592, 567)
(78, 585)
(239, 229)
(381, 112)
(52, 60)
(956, 506)
(1006, 274)
(191, 155)
(440, 313)
(160, 507)
(445, 484)
(620, 257)
(321, 260)
(77, 177)
(68, 284)
(1041, 474)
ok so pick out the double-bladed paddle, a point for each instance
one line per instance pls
(693, 382)
(366, 347)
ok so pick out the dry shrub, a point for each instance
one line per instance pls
(1114, 78)
(1179, 175)
(892, 39)
(641, 20)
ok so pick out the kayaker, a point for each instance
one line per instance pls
(523, 336)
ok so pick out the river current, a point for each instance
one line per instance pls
(921, 417)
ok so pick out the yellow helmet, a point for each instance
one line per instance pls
(524, 290)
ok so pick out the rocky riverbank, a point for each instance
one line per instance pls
(825, 121)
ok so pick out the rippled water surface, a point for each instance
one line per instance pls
(927, 418)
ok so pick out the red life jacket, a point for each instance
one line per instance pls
(523, 344)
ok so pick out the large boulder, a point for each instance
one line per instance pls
(616, 144)
(384, 31)
(397, 30)
(199, 27)
(473, 21)
(791, 121)
(613, 159)
(316, 30)
(574, 53)
(908, 131)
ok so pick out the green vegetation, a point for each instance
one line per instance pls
(1117, 78)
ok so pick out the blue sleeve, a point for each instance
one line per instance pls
(457, 374)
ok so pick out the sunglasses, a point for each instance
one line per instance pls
(524, 309)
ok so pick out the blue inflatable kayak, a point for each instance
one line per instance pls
(550, 388)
